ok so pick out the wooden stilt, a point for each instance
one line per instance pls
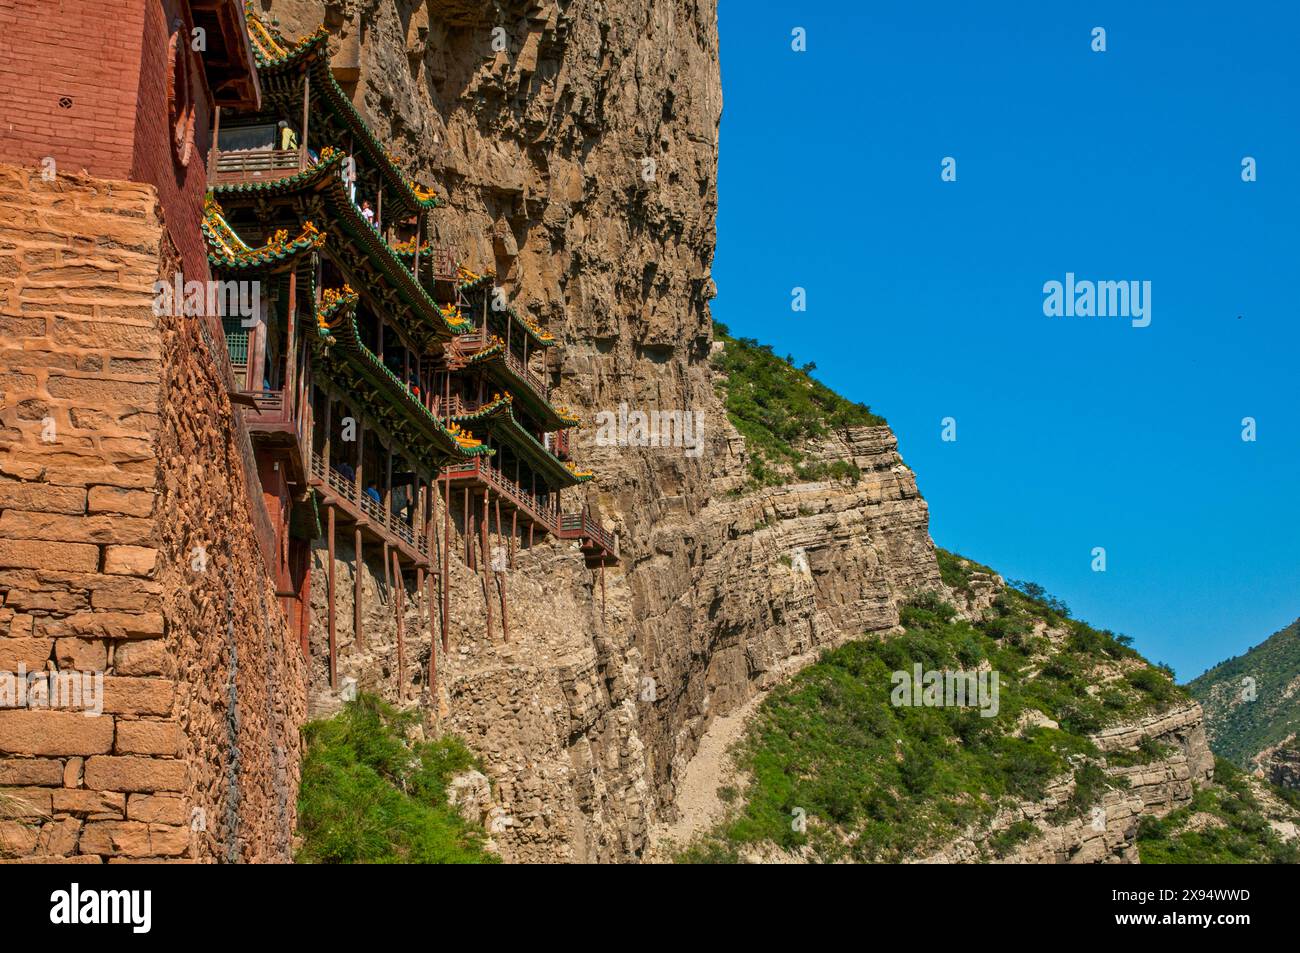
(602, 592)
(487, 563)
(358, 562)
(514, 534)
(399, 594)
(498, 544)
(431, 598)
(469, 531)
(445, 579)
(334, 667)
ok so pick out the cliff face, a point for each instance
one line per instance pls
(1108, 832)
(579, 164)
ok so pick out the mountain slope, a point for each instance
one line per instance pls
(1252, 702)
(1084, 739)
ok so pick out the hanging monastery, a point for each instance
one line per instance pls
(191, 503)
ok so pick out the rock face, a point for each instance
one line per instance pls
(1280, 764)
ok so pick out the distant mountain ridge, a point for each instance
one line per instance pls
(1252, 702)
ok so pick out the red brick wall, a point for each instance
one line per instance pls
(180, 187)
(87, 50)
(110, 57)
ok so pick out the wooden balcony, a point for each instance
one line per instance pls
(599, 545)
(337, 490)
(255, 165)
(466, 346)
(478, 471)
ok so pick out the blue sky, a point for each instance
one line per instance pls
(925, 298)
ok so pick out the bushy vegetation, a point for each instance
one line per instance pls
(778, 406)
(372, 795)
(1241, 730)
(878, 782)
(1224, 824)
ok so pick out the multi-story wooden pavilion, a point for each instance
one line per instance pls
(382, 373)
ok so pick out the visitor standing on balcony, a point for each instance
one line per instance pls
(367, 212)
(288, 137)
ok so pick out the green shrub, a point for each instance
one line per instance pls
(370, 795)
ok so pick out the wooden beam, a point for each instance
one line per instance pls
(444, 580)
(359, 561)
(487, 562)
(334, 670)
(306, 98)
(429, 598)
(399, 595)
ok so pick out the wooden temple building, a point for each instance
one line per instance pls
(381, 375)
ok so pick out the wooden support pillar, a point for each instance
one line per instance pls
(216, 149)
(514, 534)
(487, 563)
(306, 113)
(361, 455)
(329, 423)
(387, 508)
(358, 563)
(431, 599)
(498, 508)
(444, 579)
(469, 531)
(399, 595)
(501, 590)
(334, 669)
(290, 382)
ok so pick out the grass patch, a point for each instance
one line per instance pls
(1241, 836)
(370, 795)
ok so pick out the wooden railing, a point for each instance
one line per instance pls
(538, 509)
(465, 345)
(256, 165)
(339, 489)
(579, 525)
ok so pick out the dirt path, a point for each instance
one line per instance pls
(698, 804)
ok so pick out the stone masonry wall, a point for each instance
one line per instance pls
(125, 551)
